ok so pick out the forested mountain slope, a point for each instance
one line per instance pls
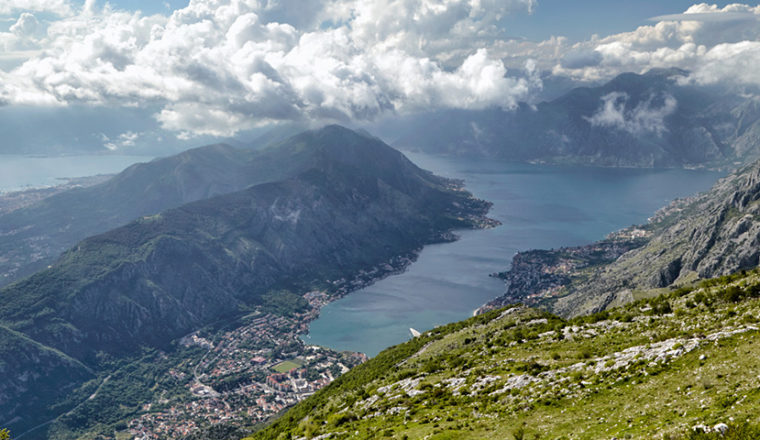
(356, 205)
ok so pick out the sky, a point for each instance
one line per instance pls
(218, 68)
(580, 19)
(577, 20)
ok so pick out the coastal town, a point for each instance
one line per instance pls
(21, 198)
(537, 275)
(246, 375)
(35, 249)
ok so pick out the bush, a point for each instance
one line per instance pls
(732, 294)
(519, 433)
(340, 418)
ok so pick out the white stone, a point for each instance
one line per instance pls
(721, 428)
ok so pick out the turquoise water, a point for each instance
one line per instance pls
(539, 206)
(19, 172)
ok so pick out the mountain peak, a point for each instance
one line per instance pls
(665, 72)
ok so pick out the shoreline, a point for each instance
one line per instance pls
(398, 264)
(13, 200)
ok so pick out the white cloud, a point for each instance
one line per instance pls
(220, 66)
(27, 24)
(715, 44)
(22, 37)
(217, 67)
(124, 140)
(59, 7)
(738, 62)
(646, 117)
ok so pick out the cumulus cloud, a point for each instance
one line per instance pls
(220, 66)
(27, 24)
(23, 35)
(647, 117)
(217, 67)
(715, 44)
(124, 140)
(59, 7)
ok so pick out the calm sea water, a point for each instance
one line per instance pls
(539, 206)
(22, 172)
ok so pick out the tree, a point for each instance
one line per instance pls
(4, 434)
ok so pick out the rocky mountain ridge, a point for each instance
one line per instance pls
(711, 234)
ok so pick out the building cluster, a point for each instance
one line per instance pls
(237, 381)
(296, 381)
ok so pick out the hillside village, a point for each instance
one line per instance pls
(246, 376)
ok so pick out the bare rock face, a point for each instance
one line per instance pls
(711, 234)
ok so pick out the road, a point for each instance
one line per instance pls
(90, 397)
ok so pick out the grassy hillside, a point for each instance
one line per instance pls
(655, 368)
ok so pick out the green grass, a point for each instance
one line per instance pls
(572, 386)
(284, 367)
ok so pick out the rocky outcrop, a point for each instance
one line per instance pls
(712, 234)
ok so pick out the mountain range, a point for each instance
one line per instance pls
(649, 333)
(655, 119)
(648, 120)
(350, 203)
(105, 280)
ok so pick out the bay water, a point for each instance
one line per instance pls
(19, 172)
(540, 207)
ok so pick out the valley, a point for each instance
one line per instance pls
(649, 333)
(224, 379)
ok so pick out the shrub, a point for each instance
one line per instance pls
(731, 294)
(519, 433)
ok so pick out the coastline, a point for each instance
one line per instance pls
(17, 199)
(399, 264)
